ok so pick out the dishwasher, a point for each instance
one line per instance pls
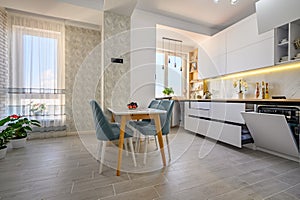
(275, 129)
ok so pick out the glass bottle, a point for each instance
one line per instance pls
(257, 90)
(267, 91)
(263, 90)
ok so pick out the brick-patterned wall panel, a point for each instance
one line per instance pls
(79, 43)
(3, 61)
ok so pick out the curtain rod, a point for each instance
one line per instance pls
(164, 38)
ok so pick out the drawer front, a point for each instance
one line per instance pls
(227, 112)
(199, 126)
(226, 133)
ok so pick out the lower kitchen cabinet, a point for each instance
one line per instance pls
(219, 121)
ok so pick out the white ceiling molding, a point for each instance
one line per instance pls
(92, 4)
(57, 9)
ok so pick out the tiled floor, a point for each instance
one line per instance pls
(61, 168)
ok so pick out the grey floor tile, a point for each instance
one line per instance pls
(61, 168)
(295, 191)
(148, 193)
(134, 184)
(282, 196)
(267, 187)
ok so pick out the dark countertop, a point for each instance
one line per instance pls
(249, 101)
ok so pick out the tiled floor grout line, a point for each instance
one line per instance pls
(73, 183)
(156, 191)
(282, 191)
(113, 186)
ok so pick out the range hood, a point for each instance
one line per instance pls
(275, 13)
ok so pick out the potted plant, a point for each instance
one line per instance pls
(5, 136)
(19, 126)
(168, 91)
(37, 108)
(242, 86)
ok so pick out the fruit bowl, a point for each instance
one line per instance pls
(132, 106)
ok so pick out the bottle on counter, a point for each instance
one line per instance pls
(263, 90)
(257, 90)
(267, 91)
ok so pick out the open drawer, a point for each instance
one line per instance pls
(271, 132)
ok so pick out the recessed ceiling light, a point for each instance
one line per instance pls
(233, 2)
(216, 1)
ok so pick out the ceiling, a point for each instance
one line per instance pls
(203, 12)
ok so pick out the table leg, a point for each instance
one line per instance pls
(160, 138)
(121, 142)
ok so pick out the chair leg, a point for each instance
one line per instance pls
(98, 150)
(137, 141)
(132, 151)
(102, 157)
(167, 139)
(126, 147)
(155, 138)
(145, 149)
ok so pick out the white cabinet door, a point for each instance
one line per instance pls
(246, 49)
(245, 33)
(254, 56)
(271, 132)
(212, 56)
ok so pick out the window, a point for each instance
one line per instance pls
(170, 75)
(36, 73)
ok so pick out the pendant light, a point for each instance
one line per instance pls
(181, 56)
(175, 55)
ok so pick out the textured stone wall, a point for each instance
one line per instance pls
(79, 42)
(116, 34)
(3, 60)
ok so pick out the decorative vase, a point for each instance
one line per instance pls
(3, 153)
(18, 143)
(241, 95)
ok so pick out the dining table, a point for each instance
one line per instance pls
(137, 114)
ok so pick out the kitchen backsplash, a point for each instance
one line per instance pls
(285, 82)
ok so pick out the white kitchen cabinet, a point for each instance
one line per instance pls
(216, 120)
(257, 55)
(235, 49)
(246, 49)
(212, 56)
(245, 33)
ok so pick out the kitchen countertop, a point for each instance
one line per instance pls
(250, 101)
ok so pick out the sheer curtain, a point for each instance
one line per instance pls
(36, 71)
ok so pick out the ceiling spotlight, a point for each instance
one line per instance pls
(233, 2)
(216, 1)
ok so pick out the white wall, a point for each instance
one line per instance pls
(143, 47)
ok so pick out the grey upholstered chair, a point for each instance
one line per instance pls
(106, 131)
(149, 129)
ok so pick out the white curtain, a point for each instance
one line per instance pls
(36, 73)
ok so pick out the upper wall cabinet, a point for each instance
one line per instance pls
(212, 56)
(246, 49)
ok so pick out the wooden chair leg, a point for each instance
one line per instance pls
(145, 149)
(102, 157)
(168, 145)
(132, 151)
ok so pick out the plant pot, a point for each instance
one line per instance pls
(241, 95)
(18, 143)
(3, 152)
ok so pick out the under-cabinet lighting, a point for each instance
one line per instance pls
(266, 70)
